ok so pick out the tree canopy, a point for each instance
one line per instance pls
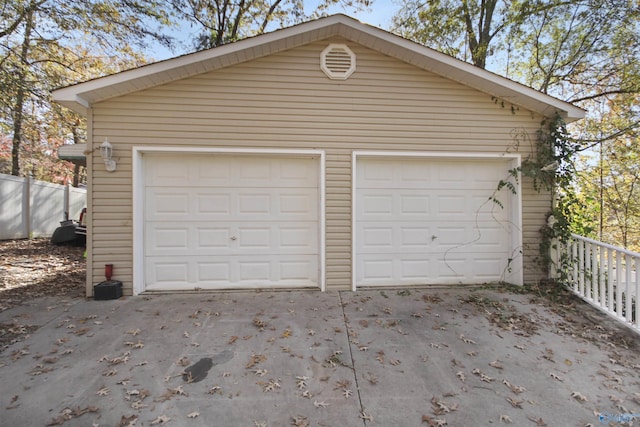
(583, 51)
(46, 44)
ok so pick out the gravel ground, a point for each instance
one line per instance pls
(35, 268)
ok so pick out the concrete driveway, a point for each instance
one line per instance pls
(428, 356)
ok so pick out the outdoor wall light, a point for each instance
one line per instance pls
(106, 151)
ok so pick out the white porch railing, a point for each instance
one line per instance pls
(605, 276)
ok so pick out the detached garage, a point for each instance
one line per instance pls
(330, 155)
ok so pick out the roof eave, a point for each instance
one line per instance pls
(81, 96)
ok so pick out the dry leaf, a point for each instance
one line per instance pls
(516, 403)
(538, 421)
(366, 416)
(272, 385)
(128, 421)
(260, 372)
(555, 376)
(579, 396)
(103, 392)
(496, 364)
(300, 421)
(162, 419)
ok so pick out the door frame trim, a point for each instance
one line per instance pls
(138, 198)
(516, 273)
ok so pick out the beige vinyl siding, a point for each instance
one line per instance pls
(285, 101)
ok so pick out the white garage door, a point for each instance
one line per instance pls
(224, 221)
(430, 221)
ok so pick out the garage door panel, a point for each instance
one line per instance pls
(382, 237)
(213, 204)
(452, 206)
(489, 236)
(376, 269)
(431, 221)
(413, 204)
(170, 238)
(201, 272)
(202, 238)
(279, 204)
(165, 271)
(298, 237)
(230, 171)
(165, 171)
(213, 272)
(400, 238)
(376, 237)
(168, 203)
(226, 221)
(376, 204)
(212, 238)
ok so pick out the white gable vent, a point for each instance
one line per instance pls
(338, 61)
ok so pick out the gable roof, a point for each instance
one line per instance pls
(81, 96)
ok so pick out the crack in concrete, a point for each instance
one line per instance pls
(353, 365)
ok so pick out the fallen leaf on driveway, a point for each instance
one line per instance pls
(538, 421)
(128, 421)
(320, 404)
(300, 421)
(516, 403)
(68, 414)
(579, 396)
(555, 376)
(433, 422)
(103, 392)
(162, 419)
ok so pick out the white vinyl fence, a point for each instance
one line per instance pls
(603, 275)
(31, 208)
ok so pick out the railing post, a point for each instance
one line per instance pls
(627, 294)
(618, 283)
(636, 295)
(595, 273)
(581, 246)
(574, 263)
(610, 294)
(602, 300)
(587, 271)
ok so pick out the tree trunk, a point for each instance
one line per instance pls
(18, 114)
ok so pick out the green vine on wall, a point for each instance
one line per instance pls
(552, 169)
